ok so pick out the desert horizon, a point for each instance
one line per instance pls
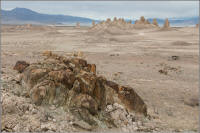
(114, 75)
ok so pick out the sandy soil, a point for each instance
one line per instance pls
(132, 59)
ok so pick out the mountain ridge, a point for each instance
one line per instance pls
(25, 16)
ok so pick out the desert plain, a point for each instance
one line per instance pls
(162, 66)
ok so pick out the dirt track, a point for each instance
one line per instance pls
(132, 59)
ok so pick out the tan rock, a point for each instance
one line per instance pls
(47, 53)
(142, 19)
(155, 22)
(93, 23)
(80, 54)
(20, 66)
(108, 20)
(166, 24)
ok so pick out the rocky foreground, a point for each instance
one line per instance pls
(65, 94)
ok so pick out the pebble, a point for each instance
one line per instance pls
(34, 111)
(109, 107)
(27, 112)
(52, 107)
(118, 105)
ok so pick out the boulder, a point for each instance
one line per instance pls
(20, 66)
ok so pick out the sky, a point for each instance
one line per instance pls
(108, 9)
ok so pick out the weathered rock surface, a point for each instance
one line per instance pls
(72, 83)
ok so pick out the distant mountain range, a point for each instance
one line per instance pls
(27, 16)
(186, 21)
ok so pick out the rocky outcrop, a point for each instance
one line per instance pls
(73, 84)
(166, 24)
(143, 23)
(155, 22)
(20, 66)
(119, 26)
(115, 23)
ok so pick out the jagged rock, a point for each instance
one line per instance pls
(155, 22)
(143, 23)
(72, 83)
(111, 27)
(20, 66)
(166, 24)
(142, 19)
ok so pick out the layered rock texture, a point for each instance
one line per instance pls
(72, 83)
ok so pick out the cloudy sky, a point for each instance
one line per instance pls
(109, 9)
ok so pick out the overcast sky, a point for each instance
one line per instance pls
(110, 9)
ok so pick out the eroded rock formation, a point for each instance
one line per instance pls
(143, 23)
(155, 22)
(78, 25)
(93, 23)
(72, 83)
(166, 24)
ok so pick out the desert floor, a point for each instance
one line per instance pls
(133, 59)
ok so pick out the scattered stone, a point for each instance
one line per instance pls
(192, 102)
(163, 72)
(34, 111)
(83, 125)
(174, 57)
(166, 69)
(48, 126)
